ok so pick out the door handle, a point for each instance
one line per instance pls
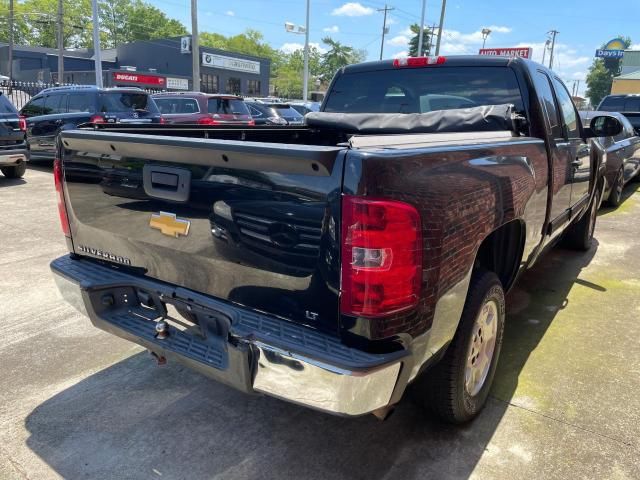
(577, 163)
(166, 182)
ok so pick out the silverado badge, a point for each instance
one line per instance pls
(169, 224)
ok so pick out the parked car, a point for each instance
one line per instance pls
(62, 108)
(332, 264)
(627, 104)
(623, 156)
(14, 149)
(203, 108)
(274, 114)
(305, 107)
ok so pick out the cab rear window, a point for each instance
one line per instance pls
(421, 90)
(620, 104)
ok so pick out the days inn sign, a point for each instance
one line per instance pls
(613, 49)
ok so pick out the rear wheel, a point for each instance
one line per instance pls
(615, 197)
(579, 236)
(16, 171)
(458, 386)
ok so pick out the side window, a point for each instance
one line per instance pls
(55, 103)
(189, 105)
(164, 104)
(81, 102)
(34, 107)
(568, 110)
(255, 112)
(612, 104)
(543, 85)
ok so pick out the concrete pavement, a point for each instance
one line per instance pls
(78, 403)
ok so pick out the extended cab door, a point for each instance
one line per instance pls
(574, 148)
(561, 171)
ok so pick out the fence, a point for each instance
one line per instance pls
(21, 92)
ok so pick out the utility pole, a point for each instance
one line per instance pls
(195, 46)
(10, 44)
(60, 44)
(97, 53)
(544, 51)
(421, 34)
(553, 34)
(305, 74)
(384, 26)
(444, 7)
(432, 31)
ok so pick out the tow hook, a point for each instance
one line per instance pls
(160, 360)
(162, 329)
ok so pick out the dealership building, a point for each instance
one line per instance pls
(163, 64)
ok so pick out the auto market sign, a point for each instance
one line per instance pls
(613, 49)
(230, 63)
(127, 77)
(524, 52)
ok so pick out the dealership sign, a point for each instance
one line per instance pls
(230, 63)
(122, 77)
(613, 49)
(177, 83)
(524, 52)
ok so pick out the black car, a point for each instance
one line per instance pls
(628, 105)
(623, 156)
(14, 149)
(274, 114)
(61, 108)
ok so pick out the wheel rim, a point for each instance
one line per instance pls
(619, 186)
(592, 216)
(481, 348)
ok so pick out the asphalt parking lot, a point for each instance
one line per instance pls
(78, 403)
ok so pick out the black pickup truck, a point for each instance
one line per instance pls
(332, 264)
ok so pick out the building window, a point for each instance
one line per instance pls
(233, 86)
(209, 83)
(253, 87)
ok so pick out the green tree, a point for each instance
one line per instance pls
(338, 56)
(124, 21)
(288, 80)
(413, 43)
(600, 76)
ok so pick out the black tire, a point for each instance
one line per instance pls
(579, 236)
(446, 393)
(615, 196)
(16, 171)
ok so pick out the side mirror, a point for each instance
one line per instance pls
(605, 126)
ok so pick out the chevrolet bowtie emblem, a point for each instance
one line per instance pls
(169, 224)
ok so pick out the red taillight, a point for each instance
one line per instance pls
(22, 123)
(252, 123)
(418, 61)
(381, 256)
(97, 119)
(207, 121)
(162, 121)
(62, 209)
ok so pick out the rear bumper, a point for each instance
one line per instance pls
(13, 156)
(247, 350)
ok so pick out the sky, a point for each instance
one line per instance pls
(583, 26)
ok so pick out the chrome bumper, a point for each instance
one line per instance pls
(265, 355)
(13, 157)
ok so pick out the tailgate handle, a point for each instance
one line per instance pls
(166, 183)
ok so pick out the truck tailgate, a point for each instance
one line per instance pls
(250, 223)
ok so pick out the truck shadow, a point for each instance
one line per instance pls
(134, 420)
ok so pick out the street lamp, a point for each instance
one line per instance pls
(485, 33)
(302, 30)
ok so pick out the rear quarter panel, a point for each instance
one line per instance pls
(462, 194)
